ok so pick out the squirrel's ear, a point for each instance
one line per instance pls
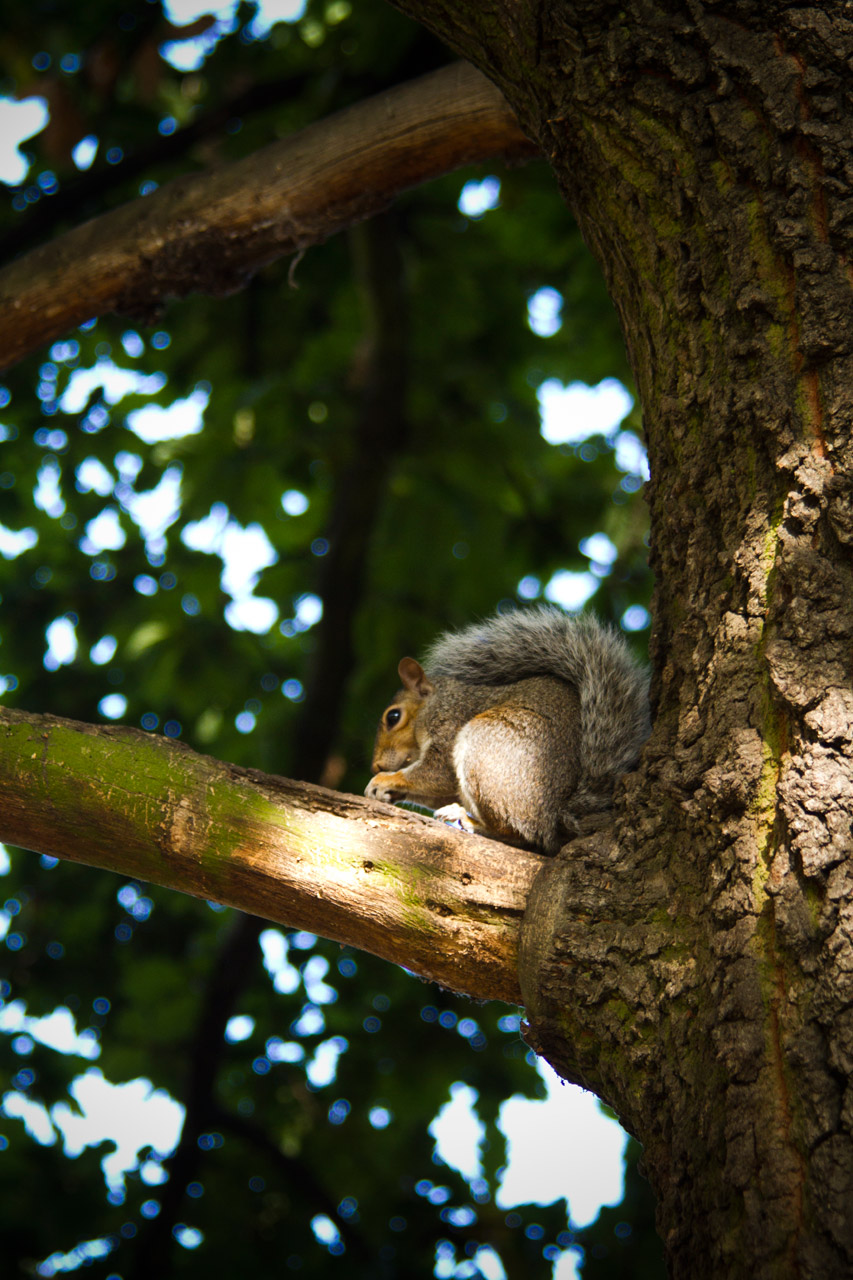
(413, 677)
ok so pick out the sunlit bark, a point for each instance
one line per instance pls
(446, 905)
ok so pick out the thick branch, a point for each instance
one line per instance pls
(87, 189)
(444, 904)
(210, 232)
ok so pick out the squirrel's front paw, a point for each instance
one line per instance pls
(457, 816)
(382, 787)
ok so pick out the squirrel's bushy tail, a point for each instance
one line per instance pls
(544, 641)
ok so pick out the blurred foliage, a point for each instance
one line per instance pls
(462, 500)
(622, 1241)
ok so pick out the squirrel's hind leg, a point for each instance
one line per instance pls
(504, 759)
(456, 815)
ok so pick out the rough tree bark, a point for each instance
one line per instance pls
(693, 966)
(695, 970)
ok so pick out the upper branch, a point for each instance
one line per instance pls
(211, 231)
(444, 904)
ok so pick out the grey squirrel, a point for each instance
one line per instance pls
(517, 727)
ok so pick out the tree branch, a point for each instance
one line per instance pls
(212, 231)
(444, 904)
(83, 192)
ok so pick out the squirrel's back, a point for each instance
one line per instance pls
(543, 641)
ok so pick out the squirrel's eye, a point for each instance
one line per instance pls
(392, 717)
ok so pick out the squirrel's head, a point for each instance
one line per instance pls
(397, 743)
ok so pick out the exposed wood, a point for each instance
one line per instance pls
(445, 904)
(210, 232)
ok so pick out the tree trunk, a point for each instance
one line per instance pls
(695, 971)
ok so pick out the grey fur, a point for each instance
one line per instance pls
(612, 687)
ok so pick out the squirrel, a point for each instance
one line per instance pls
(516, 727)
